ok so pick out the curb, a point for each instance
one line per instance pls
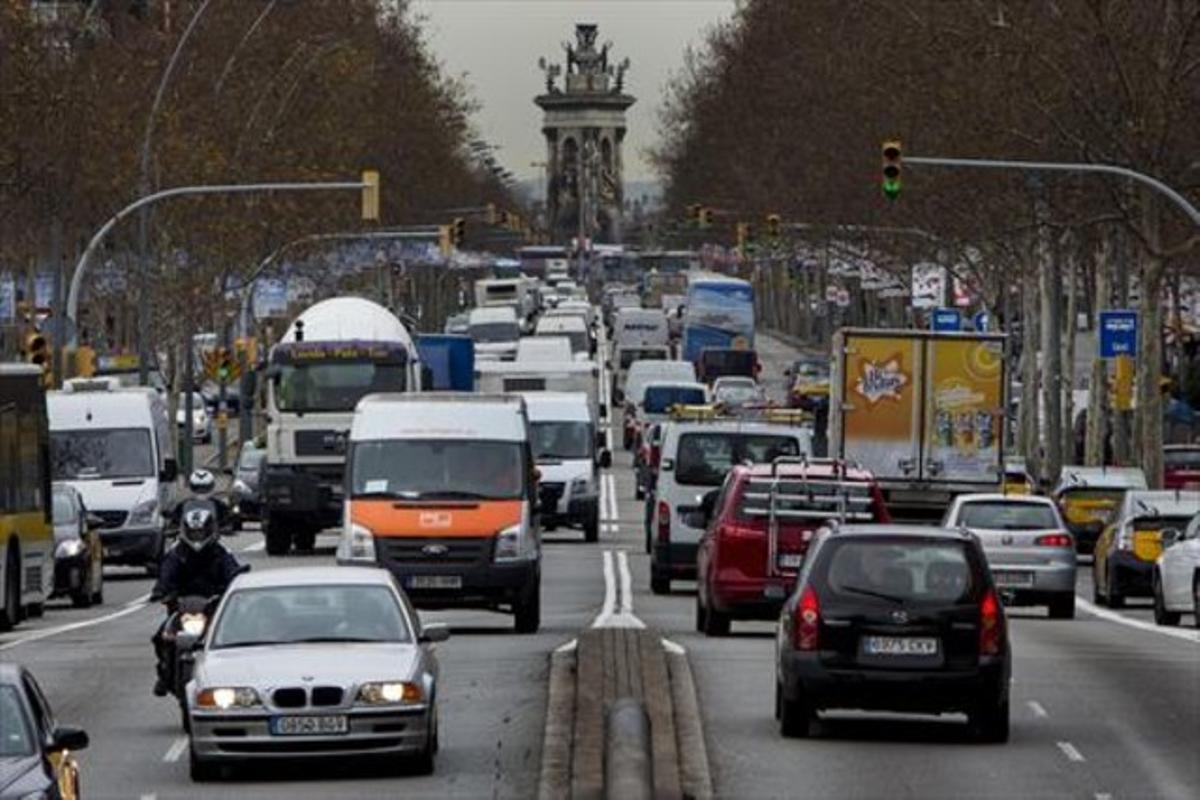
(695, 776)
(558, 736)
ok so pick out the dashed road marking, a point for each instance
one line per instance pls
(254, 548)
(1103, 796)
(176, 749)
(1071, 752)
(1037, 709)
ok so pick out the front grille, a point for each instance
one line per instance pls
(292, 697)
(550, 494)
(111, 519)
(320, 443)
(327, 695)
(417, 552)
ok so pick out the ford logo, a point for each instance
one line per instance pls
(435, 550)
(900, 617)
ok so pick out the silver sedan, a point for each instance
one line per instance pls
(1028, 547)
(313, 662)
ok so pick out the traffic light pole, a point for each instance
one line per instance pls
(1057, 166)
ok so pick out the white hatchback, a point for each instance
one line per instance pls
(1177, 576)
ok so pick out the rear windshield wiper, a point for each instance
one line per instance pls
(872, 593)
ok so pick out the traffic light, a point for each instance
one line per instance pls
(693, 212)
(892, 156)
(705, 218)
(36, 350)
(225, 366)
(370, 195)
(774, 226)
(445, 240)
(458, 231)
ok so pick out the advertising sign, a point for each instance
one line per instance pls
(928, 285)
(880, 391)
(1118, 333)
(963, 409)
(8, 298)
(946, 319)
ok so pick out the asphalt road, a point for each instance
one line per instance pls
(1103, 706)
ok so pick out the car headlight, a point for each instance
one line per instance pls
(390, 693)
(358, 544)
(193, 624)
(508, 543)
(143, 513)
(226, 697)
(68, 548)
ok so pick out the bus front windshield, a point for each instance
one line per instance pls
(438, 469)
(334, 385)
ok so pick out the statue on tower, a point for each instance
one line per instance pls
(584, 58)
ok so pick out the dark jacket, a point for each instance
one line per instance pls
(184, 572)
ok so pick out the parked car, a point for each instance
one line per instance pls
(1028, 548)
(36, 753)
(1089, 497)
(758, 528)
(310, 663)
(894, 618)
(1125, 555)
(1177, 575)
(247, 483)
(78, 554)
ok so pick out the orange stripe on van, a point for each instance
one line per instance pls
(390, 519)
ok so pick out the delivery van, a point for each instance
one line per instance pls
(495, 331)
(441, 489)
(542, 376)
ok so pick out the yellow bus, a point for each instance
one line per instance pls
(26, 532)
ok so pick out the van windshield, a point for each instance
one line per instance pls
(494, 332)
(705, 458)
(116, 453)
(555, 441)
(335, 385)
(415, 469)
(630, 356)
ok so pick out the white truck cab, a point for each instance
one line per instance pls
(495, 331)
(334, 354)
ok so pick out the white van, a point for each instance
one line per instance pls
(495, 331)
(640, 326)
(116, 448)
(544, 348)
(541, 376)
(573, 327)
(641, 374)
(565, 446)
(625, 357)
(441, 490)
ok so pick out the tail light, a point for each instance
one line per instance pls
(991, 632)
(1054, 540)
(664, 521)
(806, 625)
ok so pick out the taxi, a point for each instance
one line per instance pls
(1125, 554)
(36, 758)
(1088, 497)
(808, 385)
(1017, 481)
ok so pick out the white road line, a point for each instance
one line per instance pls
(567, 647)
(626, 582)
(176, 749)
(1121, 619)
(1103, 796)
(1037, 709)
(254, 548)
(673, 647)
(137, 601)
(610, 593)
(149, 797)
(610, 498)
(46, 633)
(1071, 752)
(617, 611)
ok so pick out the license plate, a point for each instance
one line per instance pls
(1011, 579)
(790, 560)
(900, 646)
(310, 726)
(435, 582)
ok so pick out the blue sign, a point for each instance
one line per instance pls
(8, 298)
(947, 319)
(1118, 333)
(982, 321)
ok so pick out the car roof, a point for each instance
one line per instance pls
(1101, 478)
(1161, 502)
(439, 415)
(731, 425)
(558, 406)
(669, 384)
(889, 529)
(313, 576)
(997, 497)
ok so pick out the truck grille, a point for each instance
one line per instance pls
(420, 552)
(320, 443)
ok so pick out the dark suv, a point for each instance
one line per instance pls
(894, 618)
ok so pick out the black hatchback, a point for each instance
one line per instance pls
(894, 618)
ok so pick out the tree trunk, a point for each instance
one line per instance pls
(1149, 361)
(1097, 413)
(1029, 428)
(1051, 331)
(1122, 420)
(1068, 350)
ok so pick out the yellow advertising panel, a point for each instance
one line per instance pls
(964, 409)
(882, 410)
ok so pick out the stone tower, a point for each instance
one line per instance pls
(584, 125)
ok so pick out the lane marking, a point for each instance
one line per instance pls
(176, 749)
(149, 797)
(610, 592)
(568, 647)
(46, 633)
(1112, 616)
(254, 548)
(673, 647)
(1071, 752)
(137, 601)
(1037, 709)
(1103, 796)
(617, 611)
(609, 498)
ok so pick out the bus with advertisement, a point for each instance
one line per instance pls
(26, 530)
(719, 314)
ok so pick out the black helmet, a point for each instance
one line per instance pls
(199, 527)
(201, 481)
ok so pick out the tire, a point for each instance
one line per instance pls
(591, 527)
(1113, 600)
(1161, 615)
(423, 763)
(638, 492)
(716, 623)
(1097, 598)
(201, 771)
(35, 610)
(278, 542)
(659, 584)
(185, 721)
(527, 614)
(81, 598)
(990, 723)
(11, 614)
(1063, 607)
(795, 716)
(627, 440)
(305, 541)
(701, 621)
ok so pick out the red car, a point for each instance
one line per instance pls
(758, 529)
(1181, 466)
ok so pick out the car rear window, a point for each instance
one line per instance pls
(630, 356)
(1008, 516)
(808, 503)
(705, 458)
(891, 570)
(658, 399)
(1182, 459)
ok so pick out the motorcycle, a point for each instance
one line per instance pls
(183, 634)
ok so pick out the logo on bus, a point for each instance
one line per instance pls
(881, 381)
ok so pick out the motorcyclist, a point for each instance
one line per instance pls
(198, 565)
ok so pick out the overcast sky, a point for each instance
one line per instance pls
(496, 43)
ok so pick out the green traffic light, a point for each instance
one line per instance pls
(891, 189)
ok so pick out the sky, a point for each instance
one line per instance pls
(495, 45)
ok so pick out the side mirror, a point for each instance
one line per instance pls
(65, 737)
(92, 521)
(1170, 536)
(605, 459)
(170, 471)
(434, 632)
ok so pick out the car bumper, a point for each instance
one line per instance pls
(1048, 580)
(247, 737)
(751, 599)
(131, 546)
(482, 586)
(573, 511)
(1130, 576)
(676, 559)
(923, 691)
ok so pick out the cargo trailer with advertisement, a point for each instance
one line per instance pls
(923, 411)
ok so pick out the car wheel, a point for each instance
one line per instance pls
(1161, 615)
(990, 722)
(185, 721)
(201, 771)
(1112, 597)
(527, 613)
(591, 527)
(638, 492)
(1063, 607)
(1196, 600)
(700, 615)
(81, 598)
(278, 541)
(716, 623)
(1097, 598)
(423, 764)
(35, 610)
(305, 540)
(659, 584)
(11, 614)
(795, 716)
(627, 440)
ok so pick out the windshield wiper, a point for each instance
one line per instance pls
(446, 494)
(872, 593)
(321, 639)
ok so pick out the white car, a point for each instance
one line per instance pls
(1177, 576)
(201, 426)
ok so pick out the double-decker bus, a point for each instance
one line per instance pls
(26, 531)
(719, 314)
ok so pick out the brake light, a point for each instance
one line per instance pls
(664, 521)
(1055, 540)
(991, 635)
(806, 624)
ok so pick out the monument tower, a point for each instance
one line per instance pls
(584, 126)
